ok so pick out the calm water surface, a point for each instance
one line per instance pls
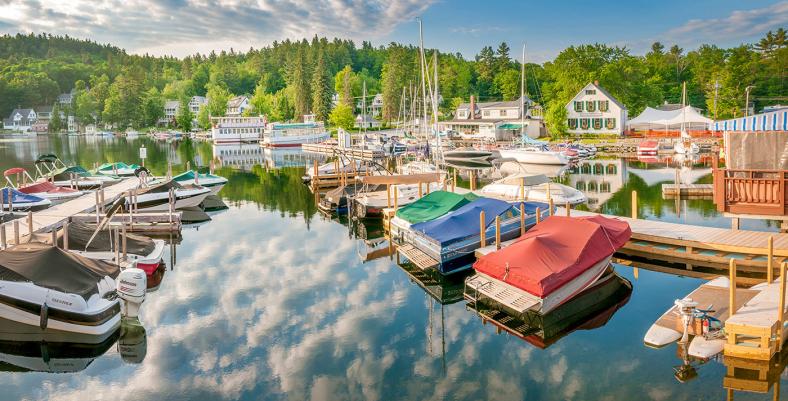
(271, 300)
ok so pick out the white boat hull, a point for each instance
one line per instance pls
(294, 140)
(559, 193)
(534, 156)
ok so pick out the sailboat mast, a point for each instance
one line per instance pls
(423, 68)
(435, 110)
(522, 95)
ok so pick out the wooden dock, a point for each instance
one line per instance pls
(416, 256)
(335, 150)
(140, 222)
(698, 191)
(52, 217)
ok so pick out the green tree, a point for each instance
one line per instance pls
(485, 68)
(507, 84)
(396, 72)
(342, 117)
(555, 119)
(55, 123)
(262, 101)
(343, 85)
(152, 107)
(217, 100)
(298, 83)
(85, 108)
(321, 90)
(184, 116)
(203, 118)
(502, 60)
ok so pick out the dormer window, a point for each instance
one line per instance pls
(590, 91)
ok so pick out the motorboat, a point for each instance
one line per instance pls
(648, 148)
(466, 154)
(81, 295)
(535, 187)
(549, 265)
(693, 316)
(452, 239)
(24, 183)
(11, 199)
(338, 199)
(370, 203)
(330, 168)
(430, 207)
(213, 182)
(418, 167)
(52, 353)
(588, 310)
(535, 155)
(50, 168)
(141, 251)
(118, 169)
(157, 196)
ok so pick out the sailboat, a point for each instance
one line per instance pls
(685, 145)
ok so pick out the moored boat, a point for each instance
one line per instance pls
(11, 199)
(211, 181)
(535, 187)
(24, 183)
(648, 148)
(119, 169)
(430, 207)
(157, 197)
(50, 168)
(294, 134)
(535, 155)
(551, 263)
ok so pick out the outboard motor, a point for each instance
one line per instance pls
(131, 287)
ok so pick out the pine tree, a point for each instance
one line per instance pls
(185, 116)
(321, 90)
(502, 59)
(299, 83)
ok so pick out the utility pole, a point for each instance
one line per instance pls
(716, 91)
(747, 100)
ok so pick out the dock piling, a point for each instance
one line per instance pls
(522, 189)
(568, 208)
(420, 191)
(124, 240)
(395, 199)
(454, 179)
(538, 215)
(29, 226)
(54, 237)
(482, 235)
(117, 247)
(16, 232)
(3, 243)
(497, 232)
(65, 234)
(781, 308)
(522, 219)
(732, 289)
(551, 206)
(388, 195)
(97, 208)
(769, 261)
(634, 204)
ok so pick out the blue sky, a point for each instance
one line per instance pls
(180, 27)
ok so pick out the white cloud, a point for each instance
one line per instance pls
(182, 27)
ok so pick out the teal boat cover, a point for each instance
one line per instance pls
(189, 175)
(434, 205)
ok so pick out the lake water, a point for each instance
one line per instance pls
(271, 300)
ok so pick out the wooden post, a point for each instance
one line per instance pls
(427, 189)
(3, 243)
(472, 177)
(568, 209)
(315, 173)
(522, 219)
(497, 232)
(677, 181)
(29, 226)
(454, 179)
(97, 208)
(395, 199)
(522, 188)
(171, 204)
(388, 195)
(117, 247)
(16, 232)
(538, 215)
(482, 236)
(103, 200)
(634, 204)
(123, 227)
(54, 237)
(551, 206)
(65, 235)
(732, 286)
(188, 165)
(781, 310)
(419, 190)
(769, 267)
(10, 202)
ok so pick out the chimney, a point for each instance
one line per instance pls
(473, 108)
(596, 82)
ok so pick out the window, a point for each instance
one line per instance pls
(590, 91)
(503, 113)
(578, 106)
(487, 113)
(572, 122)
(604, 105)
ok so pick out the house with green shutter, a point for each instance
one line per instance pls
(595, 111)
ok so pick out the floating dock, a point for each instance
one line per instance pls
(352, 153)
(695, 191)
(140, 222)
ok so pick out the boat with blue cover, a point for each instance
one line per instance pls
(11, 199)
(452, 239)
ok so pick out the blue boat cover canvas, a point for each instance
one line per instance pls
(530, 207)
(17, 197)
(462, 222)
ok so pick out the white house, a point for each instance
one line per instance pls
(237, 105)
(490, 120)
(170, 111)
(20, 120)
(594, 111)
(366, 121)
(196, 103)
(374, 105)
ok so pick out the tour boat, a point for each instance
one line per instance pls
(535, 155)
(535, 187)
(213, 182)
(47, 288)
(294, 134)
(119, 169)
(550, 264)
(452, 239)
(10, 198)
(43, 189)
(685, 318)
(143, 252)
(648, 148)
(430, 207)
(157, 197)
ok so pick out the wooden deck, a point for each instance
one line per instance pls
(357, 154)
(417, 257)
(688, 190)
(54, 216)
(506, 295)
(707, 297)
(140, 222)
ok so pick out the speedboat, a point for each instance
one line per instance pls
(535, 155)
(550, 264)
(338, 199)
(157, 197)
(43, 189)
(50, 168)
(11, 199)
(52, 353)
(429, 207)
(49, 289)
(213, 182)
(535, 187)
(648, 148)
(452, 239)
(370, 204)
(418, 167)
(463, 154)
(119, 169)
(143, 252)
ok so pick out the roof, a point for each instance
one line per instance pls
(555, 252)
(172, 104)
(433, 205)
(236, 101)
(650, 116)
(43, 109)
(604, 92)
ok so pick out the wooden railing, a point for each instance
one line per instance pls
(756, 192)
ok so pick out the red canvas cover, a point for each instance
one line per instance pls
(554, 252)
(44, 186)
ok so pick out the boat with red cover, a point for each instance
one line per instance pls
(25, 184)
(648, 148)
(550, 264)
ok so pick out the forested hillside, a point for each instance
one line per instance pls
(290, 78)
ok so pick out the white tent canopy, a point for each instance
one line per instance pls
(669, 119)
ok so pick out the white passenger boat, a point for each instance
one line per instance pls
(535, 187)
(294, 134)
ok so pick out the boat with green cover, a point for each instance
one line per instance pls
(213, 182)
(430, 207)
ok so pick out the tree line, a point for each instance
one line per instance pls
(290, 78)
